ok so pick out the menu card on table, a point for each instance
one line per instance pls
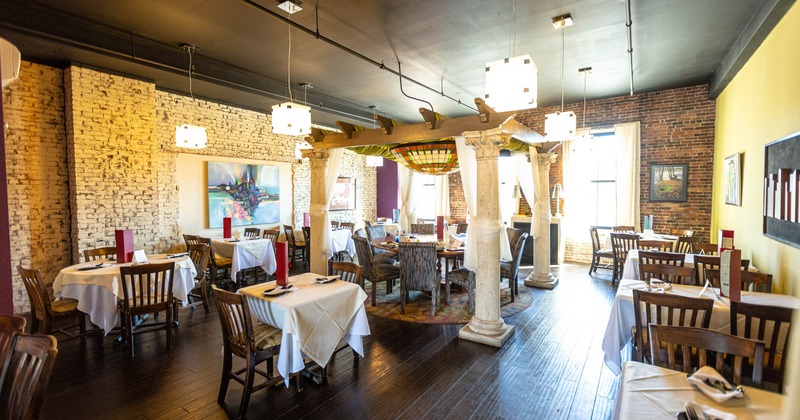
(725, 240)
(226, 227)
(282, 257)
(730, 274)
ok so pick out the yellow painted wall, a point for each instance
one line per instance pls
(760, 105)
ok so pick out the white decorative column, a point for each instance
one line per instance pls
(318, 160)
(541, 276)
(486, 326)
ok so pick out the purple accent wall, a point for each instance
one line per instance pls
(387, 188)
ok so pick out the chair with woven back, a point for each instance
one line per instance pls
(684, 244)
(418, 272)
(375, 270)
(146, 289)
(252, 232)
(294, 245)
(621, 243)
(667, 273)
(655, 245)
(216, 262)
(423, 229)
(461, 228)
(10, 327)
(704, 248)
(689, 348)
(99, 253)
(253, 342)
(199, 254)
(29, 367)
(759, 282)
(347, 271)
(464, 278)
(705, 264)
(45, 311)
(376, 232)
(510, 269)
(770, 324)
(622, 229)
(665, 309)
(598, 253)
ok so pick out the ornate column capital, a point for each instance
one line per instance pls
(487, 143)
(545, 159)
(317, 158)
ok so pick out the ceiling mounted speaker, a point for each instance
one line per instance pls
(9, 62)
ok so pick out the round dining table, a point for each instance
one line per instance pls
(447, 253)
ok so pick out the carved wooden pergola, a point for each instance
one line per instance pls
(487, 132)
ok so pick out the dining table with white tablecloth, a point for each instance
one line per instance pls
(631, 269)
(313, 318)
(622, 318)
(342, 240)
(247, 253)
(99, 288)
(652, 392)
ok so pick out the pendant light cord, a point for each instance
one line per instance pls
(585, 73)
(513, 28)
(190, 49)
(562, 68)
(289, 66)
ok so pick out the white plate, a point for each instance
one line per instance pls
(327, 279)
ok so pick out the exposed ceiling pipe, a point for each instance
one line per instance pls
(628, 24)
(344, 48)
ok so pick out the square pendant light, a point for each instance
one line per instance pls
(560, 126)
(191, 136)
(511, 84)
(291, 119)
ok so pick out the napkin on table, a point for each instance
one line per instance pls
(708, 373)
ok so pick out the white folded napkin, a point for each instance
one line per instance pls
(705, 412)
(707, 374)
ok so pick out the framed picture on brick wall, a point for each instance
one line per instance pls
(669, 182)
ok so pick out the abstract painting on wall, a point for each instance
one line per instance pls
(248, 194)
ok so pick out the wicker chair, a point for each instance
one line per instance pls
(418, 272)
(621, 243)
(45, 311)
(375, 270)
(376, 232)
(99, 253)
(510, 269)
(423, 229)
(146, 289)
(200, 254)
(295, 246)
(25, 383)
(599, 253)
(464, 278)
(255, 343)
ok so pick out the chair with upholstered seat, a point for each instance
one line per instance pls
(253, 342)
(200, 254)
(684, 245)
(464, 278)
(347, 271)
(667, 273)
(294, 245)
(146, 289)
(689, 348)
(29, 367)
(510, 269)
(776, 338)
(45, 312)
(216, 262)
(423, 229)
(598, 253)
(376, 232)
(418, 272)
(376, 270)
(655, 245)
(704, 248)
(621, 243)
(252, 232)
(103, 253)
(665, 309)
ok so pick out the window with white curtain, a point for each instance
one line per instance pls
(426, 198)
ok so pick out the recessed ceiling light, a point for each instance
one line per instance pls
(290, 7)
(562, 21)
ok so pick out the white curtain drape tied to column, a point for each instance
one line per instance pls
(525, 171)
(407, 191)
(442, 185)
(536, 209)
(628, 166)
(331, 173)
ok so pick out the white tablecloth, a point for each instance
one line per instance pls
(342, 240)
(631, 270)
(247, 253)
(622, 318)
(650, 392)
(97, 291)
(313, 319)
(391, 228)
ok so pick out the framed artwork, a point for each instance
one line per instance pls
(248, 194)
(668, 182)
(732, 173)
(344, 194)
(782, 190)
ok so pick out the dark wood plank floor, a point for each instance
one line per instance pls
(551, 368)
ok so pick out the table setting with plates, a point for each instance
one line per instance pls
(314, 312)
(652, 392)
(622, 318)
(96, 285)
(246, 253)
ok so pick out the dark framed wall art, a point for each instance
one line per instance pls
(668, 182)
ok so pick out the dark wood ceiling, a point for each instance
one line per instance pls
(243, 49)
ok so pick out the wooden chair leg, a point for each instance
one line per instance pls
(82, 325)
(248, 386)
(227, 365)
(204, 294)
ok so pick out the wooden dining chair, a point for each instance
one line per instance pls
(599, 253)
(423, 229)
(295, 247)
(307, 242)
(622, 229)
(99, 253)
(349, 226)
(252, 232)
(655, 245)
(418, 272)
(760, 282)
(10, 327)
(190, 239)
(705, 248)
(376, 269)
(684, 244)
(621, 243)
(146, 289)
(688, 233)
(688, 349)
(461, 228)
(665, 309)
(705, 266)
(45, 312)
(216, 262)
(199, 254)
(668, 273)
(254, 343)
(510, 269)
(658, 257)
(770, 324)
(29, 368)
(347, 271)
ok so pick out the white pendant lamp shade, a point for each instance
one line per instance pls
(511, 84)
(191, 136)
(374, 160)
(291, 119)
(10, 58)
(560, 126)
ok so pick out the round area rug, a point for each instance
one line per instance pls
(418, 307)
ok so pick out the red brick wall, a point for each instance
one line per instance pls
(677, 126)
